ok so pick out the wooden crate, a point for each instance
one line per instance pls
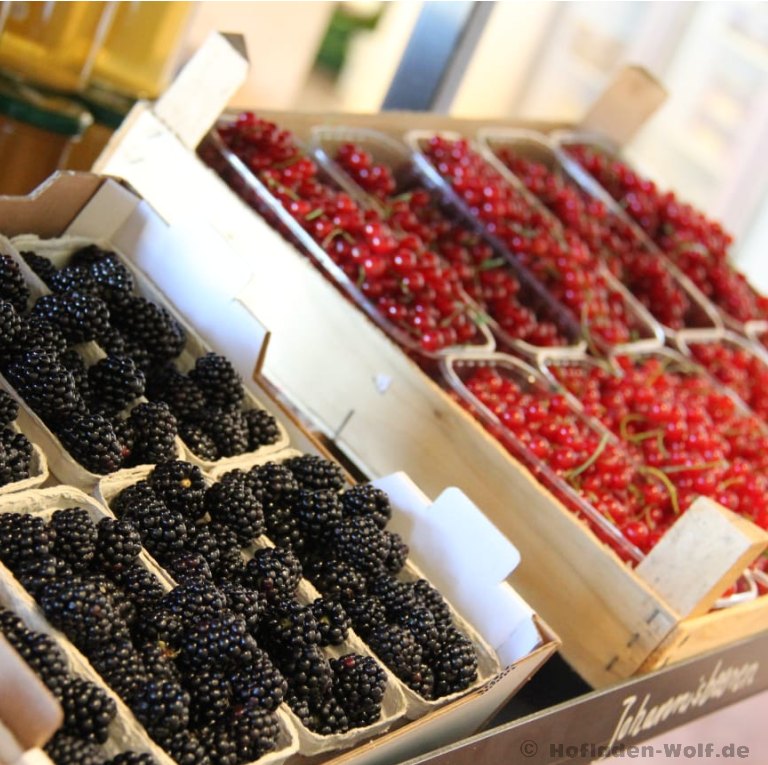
(381, 409)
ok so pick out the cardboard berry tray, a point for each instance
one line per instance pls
(564, 141)
(645, 331)
(700, 314)
(397, 156)
(258, 195)
(125, 731)
(59, 251)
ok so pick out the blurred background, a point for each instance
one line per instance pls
(525, 60)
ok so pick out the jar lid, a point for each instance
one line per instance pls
(53, 113)
(108, 107)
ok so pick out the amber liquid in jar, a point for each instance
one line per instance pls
(141, 47)
(53, 43)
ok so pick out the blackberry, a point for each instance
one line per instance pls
(121, 666)
(200, 541)
(398, 598)
(283, 528)
(162, 708)
(141, 587)
(40, 335)
(198, 441)
(219, 745)
(10, 625)
(218, 380)
(262, 428)
(367, 501)
(132, 758)
(43, 655)
(423, 682)
(274, 572)
(11, 328)
(150, 326)
(210, 692)
(34, 573)
(124, 607)
(73, 277)
(398, 649)
(429, 597)
(75, 537)
(360, 542)
(365, 612)
(316, 473)
(274, 483)
(227, 429)
(244, 602)
(73, 362)
(113, 344)
(40, 265)
(114, 282)
(287, 626)
(159, 659)
(46, 385)
(334, 578)
(181, 486)
(317, 514)
(132, 498)
(253, 730)
(163, 532)
(222, 641)
(82, 612)
(15, 456)
(186, 748)
(454, 664)
(113, 383)
(397, 555)
(87, 255)
(332, 621)
(88, 710)
(234, 505)
(173, 387)
(187, 566)
(158, 626)
(135, 350)
(23, 538)
(359, 683)
(9, 408)
(155, 432)
(118, 545)
(307, 672)
(422, 625)
(92, 441)
(64, 749)
(259, 682)
(13, 288)
(328, 718)
(195, 601)
(230, 565)
(79, 316)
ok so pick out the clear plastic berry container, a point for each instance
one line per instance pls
(325, 142)
(217, 155)
(637, 327)
(695, 312)
(565, 141)
(457, 375)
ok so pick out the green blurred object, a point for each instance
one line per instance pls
(342, 27)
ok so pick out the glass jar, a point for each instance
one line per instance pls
(108, 109)
(142, 46)
(36, 134)
(53, 43)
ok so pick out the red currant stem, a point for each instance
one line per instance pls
(625, 421)
(635, 491)
(316, 213)
(634, 438)
(290, 193)
(647, 515)
(337, 232)
(662, 371)
(730, 482)
(286, 162)
(480, 318)
(404, 197)
(491, 263)
(571, 474)
(699, 466)
(447, 320)
(360, 277)
(648, 470)
(660, 444)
